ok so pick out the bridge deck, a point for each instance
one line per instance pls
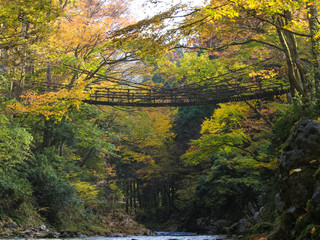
(182, 96)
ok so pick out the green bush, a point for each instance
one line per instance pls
(52, 193)
(14, 191)
(290, 115)
(15, 145)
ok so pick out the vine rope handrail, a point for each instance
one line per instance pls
(164, 97)
(130, 93)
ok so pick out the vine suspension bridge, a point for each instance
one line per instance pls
(182, 96)
(128, 93)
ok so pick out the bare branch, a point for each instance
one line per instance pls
(284, 29)
(259, 114)
(231, 44)
(243, 149)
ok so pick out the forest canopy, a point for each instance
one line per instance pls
(188, 166)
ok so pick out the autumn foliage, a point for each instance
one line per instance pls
(71, 164)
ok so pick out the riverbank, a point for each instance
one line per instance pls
(44, 231)
(113, 224)
(124, 230)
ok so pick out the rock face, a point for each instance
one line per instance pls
(298, 177)
(298, 164)
(211, 226)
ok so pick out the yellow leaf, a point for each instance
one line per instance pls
(313, 230)
(295, 170)
(313, 162)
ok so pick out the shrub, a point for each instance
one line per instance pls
(14, 190)
(52, 193)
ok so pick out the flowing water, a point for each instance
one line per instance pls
(160, 236)
(195, 237)
(166, 236)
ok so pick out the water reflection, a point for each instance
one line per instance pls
(164, 237)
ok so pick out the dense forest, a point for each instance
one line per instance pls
(248, 168)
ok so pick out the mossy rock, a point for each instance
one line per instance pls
(314, 212)
(309, 232)
(263, 227)
(279, 234)
(287, 219)
(285, 227)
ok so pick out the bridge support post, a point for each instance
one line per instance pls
(128, 95)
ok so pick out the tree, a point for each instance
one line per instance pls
(15, 145)
(249, 32)
(237, 158)
(144, 164)
(25, 28)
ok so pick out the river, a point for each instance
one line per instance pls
(159, 236)
(173, 236)
(195, 237)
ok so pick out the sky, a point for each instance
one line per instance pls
(147, 8)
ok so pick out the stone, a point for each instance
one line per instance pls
(316, 195)
(291, 209)
(302, 152)
(40, 234)
(11, 225)
(238, 227)
(65, 235)
(43, 228)
(298, 164)
(279, 203)
(219, 226)
(211, 226)
(116, 235)
(199, 221)
(290, 160)
(82, 236)
(52, 235)
(27, 234)
(242, 225)
(251, 208)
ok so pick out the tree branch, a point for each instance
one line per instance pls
(231, 44)
(259, 114)
(244, 150)
(282, 28)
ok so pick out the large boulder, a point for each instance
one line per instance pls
(298, 163)
(211, 226)
(299, 186)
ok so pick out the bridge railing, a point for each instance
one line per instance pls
(185, 95)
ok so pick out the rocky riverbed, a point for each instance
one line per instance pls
(12, 231)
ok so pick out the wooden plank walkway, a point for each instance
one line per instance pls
(183, 96)
(128, 93)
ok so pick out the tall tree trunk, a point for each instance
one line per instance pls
(130, 195)
(127, 196)
(138, 195)
(296, 72)
(47, 133)
(315, 45)
(163, 195)
(86, 157)
(60, 148)
(134, 196)
(49, 77)
(155, 202)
